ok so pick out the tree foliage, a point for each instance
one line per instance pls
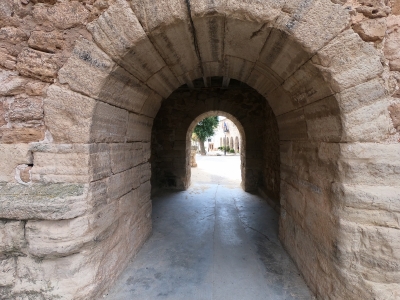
(206, 128)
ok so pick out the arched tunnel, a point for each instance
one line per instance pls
(307, 90)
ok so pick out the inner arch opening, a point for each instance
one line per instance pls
(241, 130)
(240, 103)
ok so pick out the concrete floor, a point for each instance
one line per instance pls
(213, 241)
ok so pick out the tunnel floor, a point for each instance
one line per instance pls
(213, 241)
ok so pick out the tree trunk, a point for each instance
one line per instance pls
(202, 150)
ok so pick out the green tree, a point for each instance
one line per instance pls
(205, 129)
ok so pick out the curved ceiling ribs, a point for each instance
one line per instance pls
(285, 50)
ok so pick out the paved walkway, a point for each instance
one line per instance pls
(213, 241)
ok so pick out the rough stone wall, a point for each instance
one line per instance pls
(328, 71)
(74, 171)
(170, 144)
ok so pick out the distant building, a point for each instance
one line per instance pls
(226, 134)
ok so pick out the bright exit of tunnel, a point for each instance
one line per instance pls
(305, 88)
(182, 111)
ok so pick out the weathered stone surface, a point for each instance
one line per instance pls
(392, 42)
(36, 64)
(394, 110)
(305, 23)
(151, 105)
(70, 163)
(119, 33)
(7, 61)
(371, 30)
(122, 183)
(360, 95)
(12, 35)
(62, 15)
(7, 271)
(90, 71)
(26, 110)
(2, 114)
(21, 135)
(11, 83)
(109, 124)
(125, 156)
(68, 115)
(41, 201)
(373, 8)
(12, 237)
(65, 237)
(347, 61)
(139, 128)
(370, 164)
(376, 129)
(52, 41)
(12, 156)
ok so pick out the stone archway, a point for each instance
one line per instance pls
(84, 207)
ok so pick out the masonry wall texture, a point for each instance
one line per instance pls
(82, 81)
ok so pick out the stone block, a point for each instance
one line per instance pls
(28, 110)
(7, 271)
(292, 126)
(12, 35)
(90, 71)
(151, 105)
(109, 124)
(37, 64)
(125, 156)
(87, 69)
(237, 68)
(7, 61)
(368, 197)
(119, 33)
(50, 42)
(323, 120)
(210, 37)
(65, 237)
(370, 164)
(145, 172)
(306, 86)
(313, 26)
(282, 54)
(139, 128)
(348, 61)
(163, 82)
(22, 135)
(2, 114)
(360, 95)
(394, 110)
(11, 157)
(77, 270)
(392, 42)
(62, 15)
(42, 201)
(378, 127)
(12, 238)
(68, 115)
(244, 39)
(122, 183)
(70, 163)
(371, 30)
(11, 83)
